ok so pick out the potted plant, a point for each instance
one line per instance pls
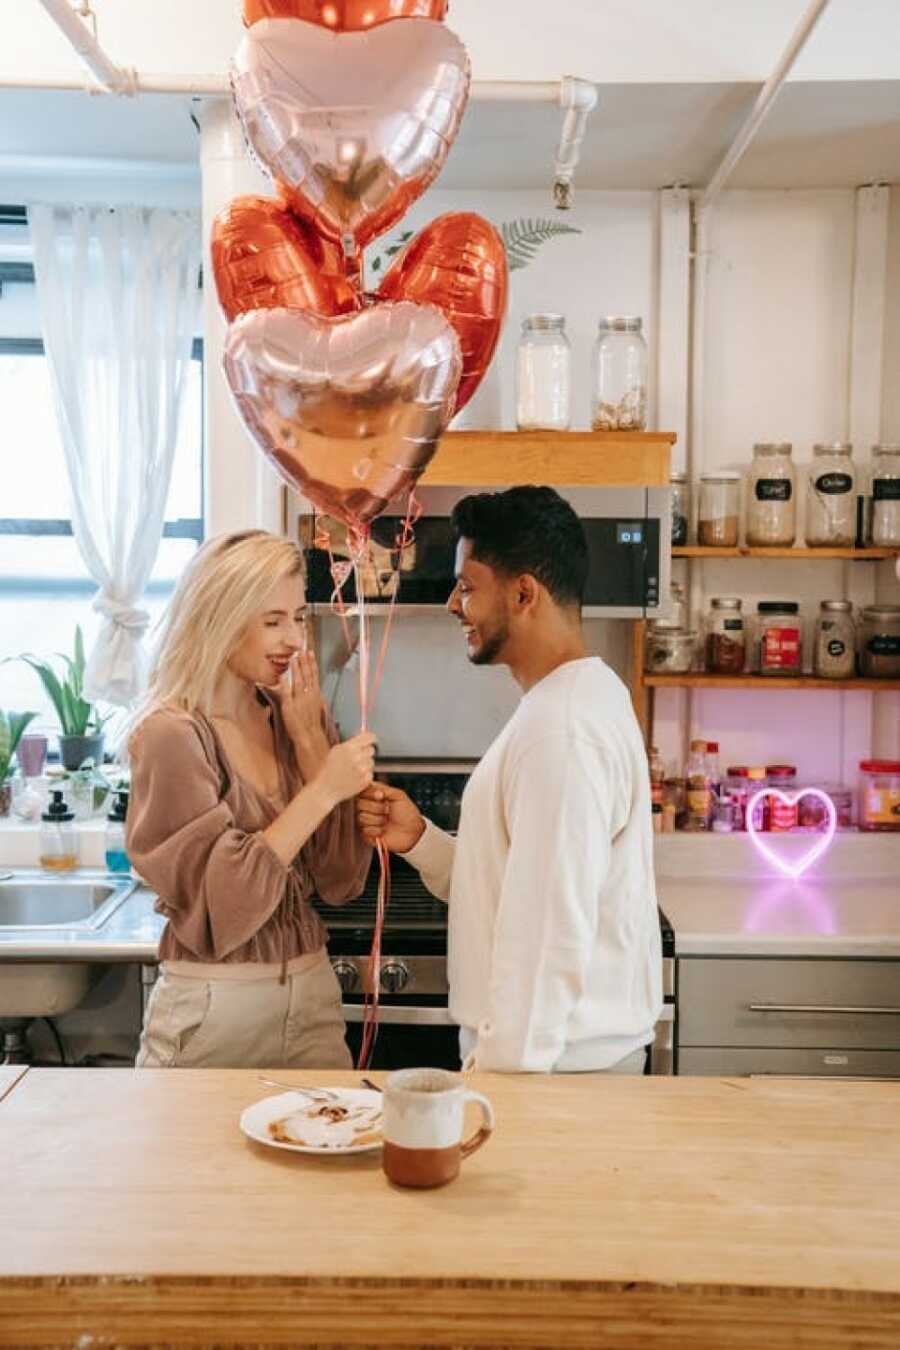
(11, 727)
(81, 737)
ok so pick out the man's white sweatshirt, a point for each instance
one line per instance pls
(554, 957)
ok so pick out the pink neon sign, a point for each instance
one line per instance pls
(793, 869)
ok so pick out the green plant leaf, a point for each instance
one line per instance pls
(17, 724)
(523, 237)
(5, 744)
(79, 655)
(52, 686)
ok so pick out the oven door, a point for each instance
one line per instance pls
(409, 1036)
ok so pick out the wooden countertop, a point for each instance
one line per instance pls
(604, 1212)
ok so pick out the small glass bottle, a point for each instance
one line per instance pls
(772, 499)
(59, 843)
(657, 776)
(834, 648)
(831, 497)
(543, 374)
(699, 796)
(681, 508)
(117, 859)
(759, 811)
(719, 511)
(726, 647)
(678, 605)
(886, 496)
(619, 386)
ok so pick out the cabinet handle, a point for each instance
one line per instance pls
(817, 1008)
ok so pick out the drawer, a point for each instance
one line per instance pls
(738, 1062)
(797, 1004)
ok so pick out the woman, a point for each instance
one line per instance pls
(241, 809)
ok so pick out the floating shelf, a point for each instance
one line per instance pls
(566, 458)
(699, 681)
(845, 554)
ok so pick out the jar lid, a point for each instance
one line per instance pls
(756, 773)
(738, 771)
(832, 448)
(678, 477)
(725, 602)
(620, 323)
(782, 770)
(886, 448)
(712, 747)
(838, 606)
(880, 765)
(543, 323)
(726, 477)
(773, 448)
(882, 613)
(698, 745)
(778, 607)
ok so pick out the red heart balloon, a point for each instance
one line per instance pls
(265, 257)
(343, 16)
(458, 263)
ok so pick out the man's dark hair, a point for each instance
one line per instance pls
(527, 530)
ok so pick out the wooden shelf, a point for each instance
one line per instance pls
(566, 458)
(845, 554)
(700, 681)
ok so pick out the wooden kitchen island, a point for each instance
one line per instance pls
(651, 1212)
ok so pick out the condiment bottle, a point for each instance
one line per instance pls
(59, 843)
(756, 780)
(698, 789)
(117, 859)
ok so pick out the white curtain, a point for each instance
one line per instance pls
(118, 299)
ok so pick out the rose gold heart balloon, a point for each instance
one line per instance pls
(343, 16)
(353, 127)
(349, 410)
(263, 257)
(458, 263)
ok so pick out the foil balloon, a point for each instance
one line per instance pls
(458, 263)
(263, 257)
(350, 409)
(343, 16)
(353, 127)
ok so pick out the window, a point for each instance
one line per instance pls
(45, 588)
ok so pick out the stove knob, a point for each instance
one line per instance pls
(347, 975)
(394, 977)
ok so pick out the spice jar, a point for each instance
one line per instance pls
(725, 643)
(619, 394)
(681, 508)
(812, 814)
(771, 504)
(543, 374)
(778, 637)
(886, 496)
(669, 650)
(737, 785)
(719, 512)
(831, 498)
(756, 782)
(879, 642)
(59, 843)
(879, 794)
(834, 648)
(782, 814)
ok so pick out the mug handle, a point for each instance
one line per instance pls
(483, 1133)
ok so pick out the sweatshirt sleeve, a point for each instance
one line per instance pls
(432, 857)
(217, 884)
(558, 806)
(336, 855)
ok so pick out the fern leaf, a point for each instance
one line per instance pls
(523, 237)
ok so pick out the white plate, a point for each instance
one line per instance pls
(318, 1133)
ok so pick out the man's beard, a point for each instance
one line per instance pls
(491, 647)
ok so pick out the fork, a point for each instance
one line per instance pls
(314, 1094)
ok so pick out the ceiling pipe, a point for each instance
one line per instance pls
(112, 78)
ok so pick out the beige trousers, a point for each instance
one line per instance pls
(203, 1022)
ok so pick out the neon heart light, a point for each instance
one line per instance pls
(794, 870)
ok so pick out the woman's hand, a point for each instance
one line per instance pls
(349, 767)
(300, 698)
(386, 813)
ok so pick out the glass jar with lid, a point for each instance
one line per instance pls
(778, 642)
(543, 374)
(886, 496)
(831, 497)
(681, 508)
(772, 498)
(834, 647)
(725, 641)
(879, 642)
(719, 511)
(668, 649)
(619, 392)
(879, 794)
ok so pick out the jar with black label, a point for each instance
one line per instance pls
(886, 496)
(879, 642)
(725, 642)
(830, 497)
(681, 508)
(779, 645)
(772, 498)
(834, 650)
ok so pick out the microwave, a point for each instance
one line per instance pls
(628, 531)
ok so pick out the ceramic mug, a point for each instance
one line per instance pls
(423, 1125)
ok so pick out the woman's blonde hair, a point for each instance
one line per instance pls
(223, 587)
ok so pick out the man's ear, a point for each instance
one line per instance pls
(526, 592)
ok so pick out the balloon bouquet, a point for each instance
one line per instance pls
(351, 107)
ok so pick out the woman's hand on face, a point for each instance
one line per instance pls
(300, 698)
(386, 813)
(349, 768)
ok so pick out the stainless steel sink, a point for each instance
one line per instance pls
(29, 901)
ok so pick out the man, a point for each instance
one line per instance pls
(554, 956)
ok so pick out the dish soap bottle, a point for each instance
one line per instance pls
(59, 843)
(117, 859)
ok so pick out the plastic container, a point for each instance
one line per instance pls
(737, 785)
(59, 842)
(811, 812)
(117, 859)
(834, 646)
(619, 385)
(831, 497)
(681, 508)
(879, 642)
(779, 638)
(719, 510)
(543, 374)
(879, 794)
(726, 648)
(885, 527)
(782, 815)
(772, 497)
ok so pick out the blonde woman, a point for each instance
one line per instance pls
(241, 809)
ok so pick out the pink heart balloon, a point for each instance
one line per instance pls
(348, 409)
(792, 867)
(353, 127)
